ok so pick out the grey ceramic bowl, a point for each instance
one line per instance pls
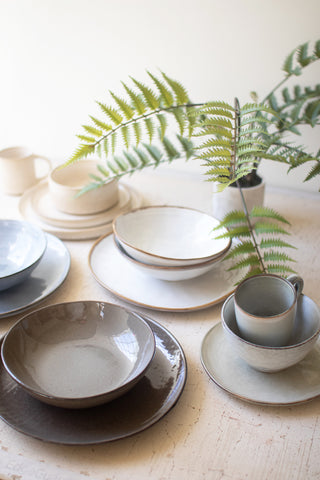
(22, 246)
(273, 359)
(78, 354)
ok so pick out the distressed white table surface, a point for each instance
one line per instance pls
(209, 434)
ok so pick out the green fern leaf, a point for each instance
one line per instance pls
(214, 130)
(219, 104)
(81, 152)
(273, 256)
(214, 153)
(131, 159)
(272, 228)
(143, 158)
(137, 132)
(180, 92)
(187, 146)
(113, 168)
(165, 94)
(136, 100)
(125, 135)
(303, 57)
(313, 172)
(111, 113)
(170, 149)
(267, 213)
(124, 106)
(180, 118)
(92, 130)
(316, 50)
(274, 243)
(288, 65)
(95, 177)
(148, 94)
(280, 269)
(232, 218)
(121, 163)
(100, 124)
(250, 261)
(113, 142)
(241, 249)
(154, 152)
(241, 231)
(103, 171)
(163, 125)
(150, 128)
(106, 147)
(87, 139)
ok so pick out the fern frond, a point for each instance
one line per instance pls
(261, 227)
(150, 128)
(280, 269)
(231, 218)
(92, 130)
(137, 132)
(274, 243)
(250, 261)
(86, 138)
(124, 106)
(170, 149)
(149, 96)
(163, 125)
(180, 92)
(81, 152)
(274, 256)
(136, 100)
(266, 212)
(242, 248)
(187, 146)
(125, 135)
(111, 113)
(313, 172)
(165, 94)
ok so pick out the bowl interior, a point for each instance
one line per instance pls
(21, 245)
(170, 232)
(78, 350)
(307, 323)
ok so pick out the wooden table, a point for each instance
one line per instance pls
(209, 434)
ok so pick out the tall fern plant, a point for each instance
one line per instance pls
(135, 131)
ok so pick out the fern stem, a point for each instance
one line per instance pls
(283, 81)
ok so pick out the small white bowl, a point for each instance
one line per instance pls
(274, 359)
(169, 236)
(22, 246)
(65, 183)
(78, 354)
(171, 274)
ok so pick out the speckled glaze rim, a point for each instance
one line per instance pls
(160, 257)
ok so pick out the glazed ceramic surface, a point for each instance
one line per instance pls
(171, 274)
(270, 359)
(297, 384)
(28, 212)
(121, 278)
(43, 206)
(48, 275)
(265, 308)
(145, 404)
(78, 354)
(168, 235)
(66, 183)
(22, 246)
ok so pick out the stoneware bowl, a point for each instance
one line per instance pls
(65, 183)
(169, 236)
(171, 274)
(273, 359)
(78, 354)
(22, 246)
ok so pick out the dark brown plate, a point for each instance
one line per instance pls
(146, 403)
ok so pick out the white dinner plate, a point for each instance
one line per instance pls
(28, 212)
(44, 280)
(297, 384)
(43, 206)
(121, 278)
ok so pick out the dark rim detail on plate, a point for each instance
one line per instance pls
(145, 404)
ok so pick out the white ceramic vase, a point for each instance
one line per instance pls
(230, 199)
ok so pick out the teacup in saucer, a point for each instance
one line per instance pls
(273, 359)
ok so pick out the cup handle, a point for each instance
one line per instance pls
(41, 157)
(297, 282)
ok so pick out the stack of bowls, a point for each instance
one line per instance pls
(78, 354)
(170, 243)
(22, 245)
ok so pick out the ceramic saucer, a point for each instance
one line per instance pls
(45, 279)
(122, 279)
(46, 211)
(82, 233)
(297, 384)
(146, 403)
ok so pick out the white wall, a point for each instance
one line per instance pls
(59, 56)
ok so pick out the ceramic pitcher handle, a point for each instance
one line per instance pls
(297, 282)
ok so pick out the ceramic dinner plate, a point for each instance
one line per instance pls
(44, 280)
(121, 278)
(146, 403)
(28, 212)
(45, 209)
(294, 385)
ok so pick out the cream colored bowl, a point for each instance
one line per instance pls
(171, 274)
(169, 236)
(65, 183)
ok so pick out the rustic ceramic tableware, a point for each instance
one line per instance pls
(78, 354)
(171, 274)
(22, 246)
(169, 236)
(19, 169)
(269, 358)
(265, 308)
(65, 183)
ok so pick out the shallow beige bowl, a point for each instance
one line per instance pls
(169, 236)
(65, 184)
(171, 274)
(274, 359)
(78, 354)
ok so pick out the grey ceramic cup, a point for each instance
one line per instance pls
(265, 308)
